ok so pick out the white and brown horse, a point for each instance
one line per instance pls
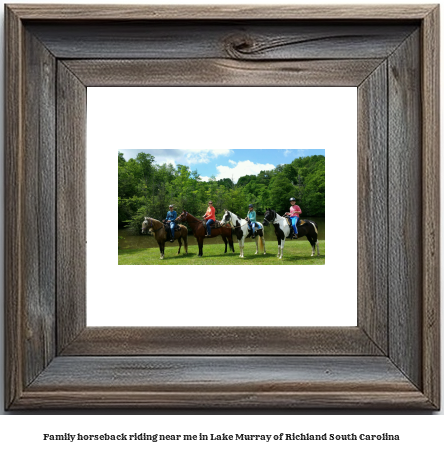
(160, 234)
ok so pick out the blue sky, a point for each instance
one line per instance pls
(225, 163)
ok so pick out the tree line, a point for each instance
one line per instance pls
(147, 189)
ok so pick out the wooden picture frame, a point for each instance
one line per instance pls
(390, 360)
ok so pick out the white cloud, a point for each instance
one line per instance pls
(242, 168)
(182, 156)
(232, 162)
(205, 178)
(205, 155)
(287, 152)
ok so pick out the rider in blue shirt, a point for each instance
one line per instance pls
(171, 217)
(251, 219)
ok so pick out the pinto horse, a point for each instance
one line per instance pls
(282, 230)
(198, 228)
(240, 228)
(160, 234)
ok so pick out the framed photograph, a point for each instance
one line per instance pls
(389, 359)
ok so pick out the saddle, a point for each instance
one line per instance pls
(250, 230)
(216, 224)
(167, 226)
(299, 222)
(291, 233)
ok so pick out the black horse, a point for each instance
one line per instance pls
(283, 230)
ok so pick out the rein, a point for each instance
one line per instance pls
(152, 226)
(275, 220)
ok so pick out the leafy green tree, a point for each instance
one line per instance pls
(281, 190)
(146, 189)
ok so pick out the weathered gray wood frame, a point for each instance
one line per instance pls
(390, 360)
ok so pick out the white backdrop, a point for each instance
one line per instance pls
(222, 117)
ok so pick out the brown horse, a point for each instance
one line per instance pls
(199, 231)
(160, 234)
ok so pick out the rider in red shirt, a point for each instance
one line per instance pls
(210, 217)
(295, 212)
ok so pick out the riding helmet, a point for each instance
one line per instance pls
(250, 205)
(292, 199)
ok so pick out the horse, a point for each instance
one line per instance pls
(241, 229)
(160, 234)
(198, 228)
(282, 230)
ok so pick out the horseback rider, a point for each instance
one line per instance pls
(251, 219)
(171, 219)
(295, 212)
(210, 217)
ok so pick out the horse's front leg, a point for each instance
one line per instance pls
(180, 245)
(200, 242)
(241, 246)
(226, 243)
(257, 245)
(162, 249)
(282, 248)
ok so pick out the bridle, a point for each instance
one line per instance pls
(229, 221)
(151, 225)
(271, 212)
(184, 219)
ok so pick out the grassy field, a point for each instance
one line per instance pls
(295, 252)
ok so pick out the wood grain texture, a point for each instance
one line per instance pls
(404, 209)
(236, 40)
(127, 341)
(221, 72)
(13, 207)
(431, 205)
(408, 377)
(234, 382)
(221, 12)
(39, 207)
(372, 207)
(71, 206)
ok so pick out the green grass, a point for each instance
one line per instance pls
(295, 252)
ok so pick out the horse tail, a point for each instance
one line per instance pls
(261, 244)
(315, 226)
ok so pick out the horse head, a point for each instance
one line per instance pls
(145, 225)
(269, 216)
(226, 218)
(182, 217)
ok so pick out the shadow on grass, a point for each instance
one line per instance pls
(195, 255)
(248, 257)
(304, 257)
